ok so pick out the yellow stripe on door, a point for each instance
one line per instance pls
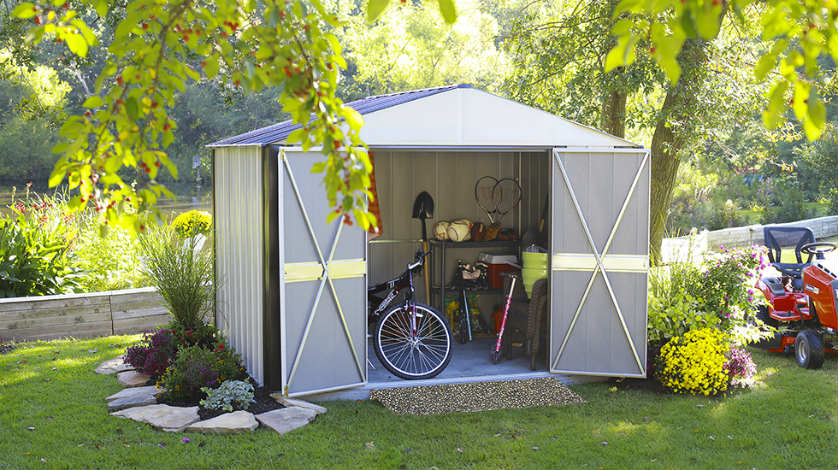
(612, 263)
(339, 269)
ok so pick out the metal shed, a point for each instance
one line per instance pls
(292, 289)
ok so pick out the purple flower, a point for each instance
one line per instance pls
(185, 440)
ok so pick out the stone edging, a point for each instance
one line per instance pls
(138, 402)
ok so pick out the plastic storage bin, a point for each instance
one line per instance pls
(498, 264)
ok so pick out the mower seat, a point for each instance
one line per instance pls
(778, 237)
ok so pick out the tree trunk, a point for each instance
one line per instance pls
(670, 138)
(614, 112)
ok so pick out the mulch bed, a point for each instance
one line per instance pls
(479, 396)
(262, 404)
(4, 348)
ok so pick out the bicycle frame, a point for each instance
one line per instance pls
(394, 287)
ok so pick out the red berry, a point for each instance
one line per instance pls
(145, 25)
(119, 81)
(166, 126)
(223, 34)
(157, 163)
(153, 104)
(203, 63)
(87, 113)
(142, 227)
(37, 20)
(652, 50)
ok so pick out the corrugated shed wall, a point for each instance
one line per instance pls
(535, 183)
(239, 250)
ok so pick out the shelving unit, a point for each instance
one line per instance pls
(441, 246)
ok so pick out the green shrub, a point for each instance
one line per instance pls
(196, 367)
(193, 223)
(695, 363)
(35, 251)
(109, 260)
(232, 394)
(673, 308)
(715, 293)
(182, 272)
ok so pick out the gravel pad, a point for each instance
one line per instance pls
(478, 396)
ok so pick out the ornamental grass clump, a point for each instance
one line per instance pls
(182, 272)
(695, 363)
(231, 395)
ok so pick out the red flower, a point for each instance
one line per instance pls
(220, 347)
(188, 332)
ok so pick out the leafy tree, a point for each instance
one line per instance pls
(412, 47)
(157, 49)
(566, 47)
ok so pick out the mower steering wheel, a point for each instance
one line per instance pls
(809, 249)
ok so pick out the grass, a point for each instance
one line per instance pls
(791, 421)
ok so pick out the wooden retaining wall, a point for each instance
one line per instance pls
(81, 315)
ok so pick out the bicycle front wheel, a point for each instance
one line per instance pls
(409, 356)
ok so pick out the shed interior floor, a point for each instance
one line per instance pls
(468, 360)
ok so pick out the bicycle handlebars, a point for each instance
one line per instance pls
(419, 260)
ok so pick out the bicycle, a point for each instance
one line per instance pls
(412, 340)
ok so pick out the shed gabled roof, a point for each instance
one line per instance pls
(450, 116)
(278, 132)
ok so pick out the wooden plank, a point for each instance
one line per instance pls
(24, 304)
(137, 305)
(139, 324)
(56, 320)
(82, 330)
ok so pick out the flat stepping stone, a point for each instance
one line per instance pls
(228, 423)
(289, 402)
(165, 417)
(132, 391)
(134, 396)
(113, 366)
(285, 420)
(132, 378)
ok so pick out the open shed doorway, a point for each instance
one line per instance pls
(449, 177)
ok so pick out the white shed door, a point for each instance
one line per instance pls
(323, 317)
(599, 262)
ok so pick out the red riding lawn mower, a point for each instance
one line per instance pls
(803, 298)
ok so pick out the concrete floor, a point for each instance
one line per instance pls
(470, 363)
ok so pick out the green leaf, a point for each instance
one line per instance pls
(353, 118)
(375, 8)
(776, 105)
(211, 67)
(622, 54)
(296, 136)
(132, 107)
(77, 44)
(448, 10)
(57, 176)
(24, 11)
(814, 124)
(93, 102)
(101, 7)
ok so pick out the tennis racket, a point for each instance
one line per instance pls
(497, 197)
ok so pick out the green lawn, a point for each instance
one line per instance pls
(790, 422)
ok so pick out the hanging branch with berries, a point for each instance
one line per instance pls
(157, 49)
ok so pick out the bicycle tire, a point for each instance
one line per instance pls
(405, 360)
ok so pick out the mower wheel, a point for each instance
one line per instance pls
(808, 350)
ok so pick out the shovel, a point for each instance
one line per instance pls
(423, 209)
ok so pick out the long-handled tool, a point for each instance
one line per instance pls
(496, 353)
(423, 209)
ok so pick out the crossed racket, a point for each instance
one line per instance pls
(497, 196)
